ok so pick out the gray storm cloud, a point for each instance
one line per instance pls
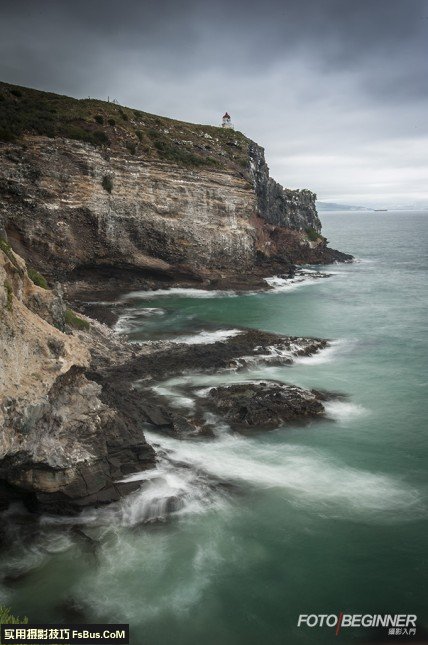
(336, 90)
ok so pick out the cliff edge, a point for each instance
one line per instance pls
(91, 189)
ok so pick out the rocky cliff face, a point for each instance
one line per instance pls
(59, 441)
(158, 217)
(165, 199)
(291, 209)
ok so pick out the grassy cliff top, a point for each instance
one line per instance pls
(25, 111)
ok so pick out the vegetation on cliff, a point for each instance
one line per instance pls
(37, 278)
(106, 124)
(6, 618)
(75, 321)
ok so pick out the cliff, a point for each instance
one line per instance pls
(88, 186)
(61, 446)
(95, 195)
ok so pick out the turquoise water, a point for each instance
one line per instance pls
(320, 519)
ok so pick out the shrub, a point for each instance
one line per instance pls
(5, 246)
(16, 92)
(111, 122)
(139, 135)
(131, 147)
(74, 321)
(76, 132)
(138, 114)
(99, 119)
(9, 295)
(312, 234)
(123, 115)
(172, 152)
(7, 135)
(37, 278)
(6, 618)
(7, 250)
(107, 183)
(100, 138)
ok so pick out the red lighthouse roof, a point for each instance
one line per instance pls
(226, 116)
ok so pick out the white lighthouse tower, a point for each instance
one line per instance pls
(227, 123)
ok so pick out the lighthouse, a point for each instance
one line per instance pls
(227, 123)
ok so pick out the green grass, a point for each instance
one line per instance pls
(37, 278)
(6, 618)
(75, 322)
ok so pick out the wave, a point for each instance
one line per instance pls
(309, 476)
(327, 354)
(275, 354)
(344, 411)
(132, 319)
(206, 337)
(170, 390)
(178, 291)
(302, 278)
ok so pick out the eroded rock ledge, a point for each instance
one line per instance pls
(74, 404)
(61, 445)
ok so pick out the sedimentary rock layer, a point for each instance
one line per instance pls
(177, 202)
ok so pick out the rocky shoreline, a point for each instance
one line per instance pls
(73, 446)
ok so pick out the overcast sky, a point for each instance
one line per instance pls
(335, 90)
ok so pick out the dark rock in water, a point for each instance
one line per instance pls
(191, 426)
(169, 359)
(73, 423)
(265, 404)
(72, 611)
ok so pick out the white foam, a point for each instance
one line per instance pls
(309, 476)
(152, 577)
(273, 354)
(177, 291)
(344, 411)
(326, 354)
(301, 279)
(365, 261)
(130, 319)
(123, 324)
(165, 486)
(174, 395)
(206, 337)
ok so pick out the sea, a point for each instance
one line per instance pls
(232, 539)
